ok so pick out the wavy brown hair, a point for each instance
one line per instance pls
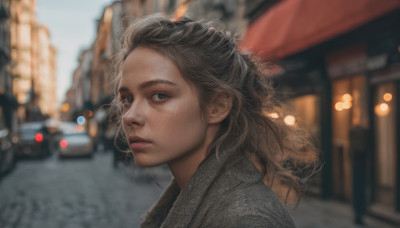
(210, 59)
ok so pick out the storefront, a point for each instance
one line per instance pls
(346, 70)
(349, 85)
(301, 92)
(386, 136)
(385, 119)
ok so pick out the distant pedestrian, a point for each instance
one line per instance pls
(190, 99)
(358, 152)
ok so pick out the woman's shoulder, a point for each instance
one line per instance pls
(251, 206)
(254, 206)
(239, 198)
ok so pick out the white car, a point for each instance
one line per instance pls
(75, 143)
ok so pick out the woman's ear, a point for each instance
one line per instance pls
(219, 108)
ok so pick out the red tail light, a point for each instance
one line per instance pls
(63, 143)
(39, 137)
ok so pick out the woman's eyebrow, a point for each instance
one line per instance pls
(155, 82)
(123, 90)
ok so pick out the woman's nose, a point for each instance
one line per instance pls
(134, 115)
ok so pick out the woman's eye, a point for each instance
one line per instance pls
(159, 97)
(126, 100)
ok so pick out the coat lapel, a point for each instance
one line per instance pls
(187, 202)
(192, 195)
(157, 214)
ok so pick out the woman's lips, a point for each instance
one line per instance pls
(137, 143)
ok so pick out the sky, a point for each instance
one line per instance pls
(72, 27)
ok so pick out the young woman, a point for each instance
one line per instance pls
(190, 99)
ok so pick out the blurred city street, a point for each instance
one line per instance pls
(76, 193)
(89, 192)
(335, 66)
(315, 213)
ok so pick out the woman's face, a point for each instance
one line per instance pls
(161, 116)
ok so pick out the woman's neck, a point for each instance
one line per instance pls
(184, 167)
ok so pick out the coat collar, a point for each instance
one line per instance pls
(168, 212)
(176, 208)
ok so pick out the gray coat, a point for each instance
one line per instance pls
(215, 197)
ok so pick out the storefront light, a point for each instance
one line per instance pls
(339, 106)
(290, 120)
(382, 109)
(344, 103)
(347, 97)
(347, 105)
(387, 97)
(274, 115)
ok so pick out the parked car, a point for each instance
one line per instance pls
(74, 142)
(32, 140)
(7, 156)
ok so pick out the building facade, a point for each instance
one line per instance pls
(33, 61)
(8, 103)
(21, 20)
(104, 47)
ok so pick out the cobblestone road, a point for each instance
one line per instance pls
(76, 193)
(87, 193)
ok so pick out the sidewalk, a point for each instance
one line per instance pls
(315, 213)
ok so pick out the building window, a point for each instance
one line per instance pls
(385, 143)
(349, 110)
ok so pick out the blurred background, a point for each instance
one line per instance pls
(335, 63)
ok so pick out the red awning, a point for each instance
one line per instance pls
(295, 25)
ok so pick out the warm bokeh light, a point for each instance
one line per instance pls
(65, 107)
(274, 115)
(347, 97)
(290, 120)
(382, 109)
(344, 103)
(180, 11)
(347, 105)
(387, 97)
(339, 106)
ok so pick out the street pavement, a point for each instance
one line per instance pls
(315, 213)
(75, 193)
